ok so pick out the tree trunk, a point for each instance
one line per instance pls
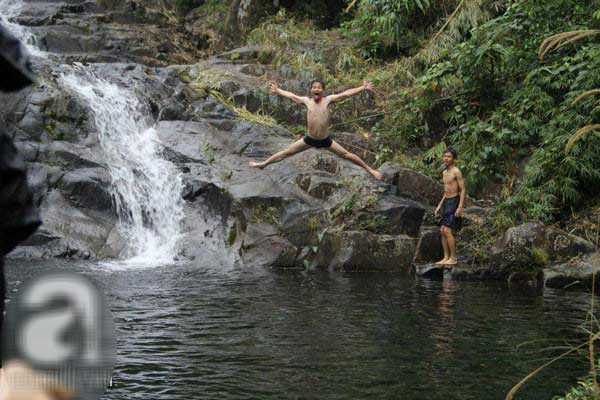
(242, 16)
(231, 29)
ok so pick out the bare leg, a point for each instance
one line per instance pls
(444, 246)
(294, 148)
(451, 246)
(340, 151)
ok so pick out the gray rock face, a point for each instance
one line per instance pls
(263, 246)
(361, 251)
(413, 185)
(577, 273)
(87, 188)
(557, 243)
(125, 31)
(429, 246)
(233, 214)
(401, 216)
(69, 232)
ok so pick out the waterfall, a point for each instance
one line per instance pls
(145, 187)
(10, 9)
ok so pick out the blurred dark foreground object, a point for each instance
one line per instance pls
(15, 67)
(19, 218)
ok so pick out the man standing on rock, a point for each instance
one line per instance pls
(451, 206)
(318, 125)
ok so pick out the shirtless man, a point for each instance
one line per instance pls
(318, 125)
(451, 206)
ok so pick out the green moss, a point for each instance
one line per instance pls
(371, 202)
(372, 222)
(185, 76)
(53, 132)
(268, 214)
(232, 235)
(539, 256)
(209, 152)
(346, 208)
(314, 223)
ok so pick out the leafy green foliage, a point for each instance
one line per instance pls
(510, 115)
(487, 94)
(583, 391)
(382, 26)
(302, 47)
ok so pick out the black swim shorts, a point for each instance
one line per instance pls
(448, 211)
(311, 141)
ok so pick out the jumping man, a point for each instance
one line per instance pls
(451, 206)
(318, 125)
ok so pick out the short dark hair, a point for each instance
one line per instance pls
(451, 151)
(318, 81)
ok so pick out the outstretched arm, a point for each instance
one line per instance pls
(284, 93)
(351, 92)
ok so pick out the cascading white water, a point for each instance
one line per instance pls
(146, 188)
(10, 9)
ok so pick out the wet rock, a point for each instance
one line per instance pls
(241, 55)
(413, 185)
(526, 279)
(41, 178)
(68, 232)
(556, 243)
(430, 271)
(263, 246)
(88, 188)
(70, 155)
(320, 186)
(577, 273)
(28, 150)
(182, 140)
(463, 271)
(365, 251)
(402, 216)
(429, 246)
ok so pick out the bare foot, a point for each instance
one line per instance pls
(256, 164)
(442, 261)
(451, 261)
(378, 175)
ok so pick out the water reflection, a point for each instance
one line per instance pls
(203, 332)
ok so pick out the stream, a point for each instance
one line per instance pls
(201, 331)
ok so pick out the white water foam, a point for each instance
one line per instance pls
(146, 188)
(10, 9)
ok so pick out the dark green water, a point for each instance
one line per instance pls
(198, 332)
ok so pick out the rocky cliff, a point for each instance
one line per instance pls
(311, 211)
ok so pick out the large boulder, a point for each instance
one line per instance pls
(70, 232)
(412, 184)
(577, 273)
(557, 243)
(401, 216)
(429, 246)
(528, 248)
(89, 188)
(263, 245)
(365, 251)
